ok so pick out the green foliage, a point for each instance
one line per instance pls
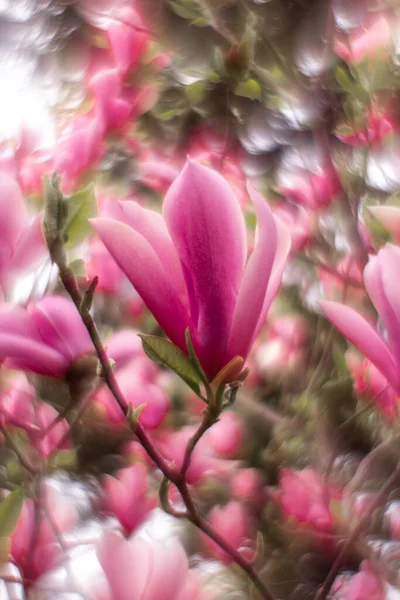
(81, 207)
(10, 510)
(249, 89)
(165, 353)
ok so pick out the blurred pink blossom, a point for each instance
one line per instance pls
(380, 278)
(126, 497)
(364, 584)
(45, 338)
(54, 512)
(233, 523)
(22, 241)
(374, 37)
(139, 568)
(306, 496)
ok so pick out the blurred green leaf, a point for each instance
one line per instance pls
(78, 267)
(196, 92)
(81, 207)
(346, 82)
(65, 459)
(165, 353)
(10, 510)
(249, 89)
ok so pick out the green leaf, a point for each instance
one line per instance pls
(65, 460)
(345, 81)
(165, 353)
(78, 268)
(81, 207)
(249, 89)
(134, 413)
(10, 510)
(196, 92)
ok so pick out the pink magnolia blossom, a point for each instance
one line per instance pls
(45, 338)
(364, 584)
(370, 382)
(368, 41)
(127, 496)
(112, 104)
(380, 278)
(141, 569)
(79, 148)
(313, 189)
(226, 435)
(298, 221)
(233, 523)
(377, 128)
(189, 266)
(389, 217)
(305, 496)
(247, 486)
(127, 44)
(18, 407)
(46, 553)
(137, 390)
(22, 242)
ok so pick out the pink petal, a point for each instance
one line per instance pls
(137, 259)
(152, 227)
(255, 281)
(27, 354)
(61, 327)
(360, 333)
(282, 252)
(207, 228)
(31, 246)
(389, 217)
(127, 45)
(125, 565)
(13, 215)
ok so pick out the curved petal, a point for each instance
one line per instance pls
(389, 217)
(31, 246)
(152, 227)
(61, 327)
(360, 333)
(255, 281)
(139, 262)
(126, 566)
(282, 252)
(13, 215)
(27, 354)
(207, 228)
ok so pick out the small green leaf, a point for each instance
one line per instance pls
(81, 207)
(65, 459)
(133, 414)
(165, 353)
(196, 92)
(345, 81)
(249, 89)
(10, 510)
(78, 268)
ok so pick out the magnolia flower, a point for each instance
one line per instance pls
(45, 338)
(46, 552)
(189, 265)
(360, 586)
(127, 497)
(233, 523)
(389, 217)
(139, 569)
(304, 495)
(22, 243)
(380, 278)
